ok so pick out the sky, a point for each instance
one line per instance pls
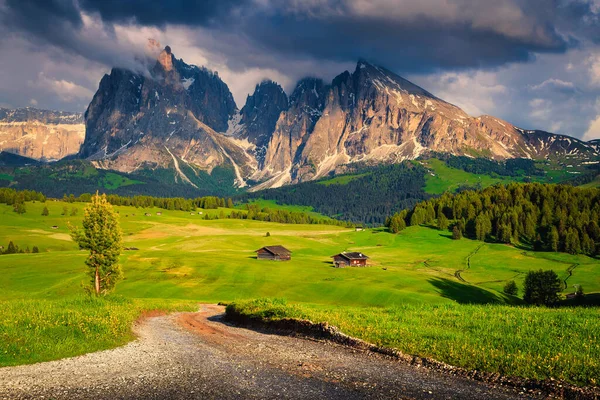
(534, 63)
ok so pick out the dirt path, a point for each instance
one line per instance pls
(197, 355)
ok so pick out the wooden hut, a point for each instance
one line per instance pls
(274, 253)
(350, 259)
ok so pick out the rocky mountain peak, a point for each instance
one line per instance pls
(165, 59)
(261, 112)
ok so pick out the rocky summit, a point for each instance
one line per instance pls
(184, 118)
(41, 134)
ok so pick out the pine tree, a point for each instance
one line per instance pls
(456, 233)
(554, 239)
(101, 235)
(45, 212)
(11, 249)
(442, 222)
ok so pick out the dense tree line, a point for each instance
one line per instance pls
(255, 212)
(248, 211)
(17, 199)
(546, 217)
(14, 249)
(367, 199)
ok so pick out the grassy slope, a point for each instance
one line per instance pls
(446, 179)
(183, 257)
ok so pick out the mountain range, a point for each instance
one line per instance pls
(40, 134)
(183, 118)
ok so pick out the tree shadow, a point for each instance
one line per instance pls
(463, 293)
(446, 235)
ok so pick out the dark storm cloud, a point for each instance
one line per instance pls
(403, 35)
(159, 13)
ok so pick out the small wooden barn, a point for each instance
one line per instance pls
(275, 253)
(350, 259)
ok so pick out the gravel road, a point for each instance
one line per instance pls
(198, 356)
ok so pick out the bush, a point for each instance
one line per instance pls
(35, 249)
(542, 287)
(511, 288)
(268, 234)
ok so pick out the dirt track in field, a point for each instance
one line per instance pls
(199, 356)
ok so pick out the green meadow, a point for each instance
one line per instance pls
(182, 259)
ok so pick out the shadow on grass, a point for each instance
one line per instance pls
(446, 235)
(589, 300)
(463, 293)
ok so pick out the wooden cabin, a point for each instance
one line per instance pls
(350, 259)
(274, 253)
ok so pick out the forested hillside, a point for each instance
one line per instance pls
(545, 217)
(368, 196)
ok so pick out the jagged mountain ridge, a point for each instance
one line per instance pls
(41, 135)
(184, 114)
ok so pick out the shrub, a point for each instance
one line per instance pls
(268, 234)
(511, 288)
(35, 249)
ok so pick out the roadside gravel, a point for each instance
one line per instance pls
(198, 356)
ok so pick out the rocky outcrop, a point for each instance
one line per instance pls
(41, 134)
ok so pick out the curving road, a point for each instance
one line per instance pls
(198, 356)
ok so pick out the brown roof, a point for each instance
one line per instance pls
(352, 255)
(277, 250)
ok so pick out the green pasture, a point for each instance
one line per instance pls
(182, 259)
(184, 256)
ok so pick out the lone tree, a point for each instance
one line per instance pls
(101, 235)
(542, 287)
(45, 212)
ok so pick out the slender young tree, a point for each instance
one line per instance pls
(45, 212)
(101, 235)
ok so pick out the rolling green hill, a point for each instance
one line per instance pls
(178, 258)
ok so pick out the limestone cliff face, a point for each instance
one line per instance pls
(41, 134)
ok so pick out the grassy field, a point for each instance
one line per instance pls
(33, 330)
(183, 259)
